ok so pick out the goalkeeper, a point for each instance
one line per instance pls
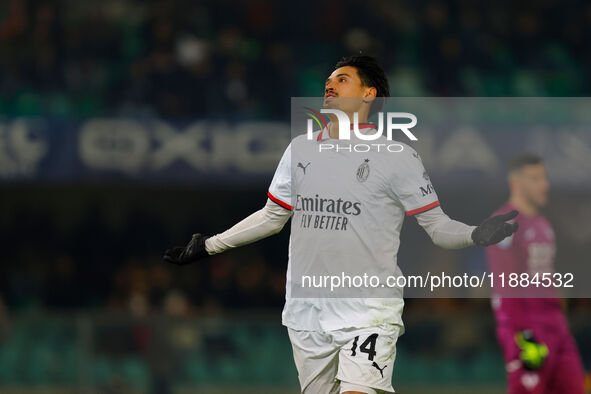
(540, 353)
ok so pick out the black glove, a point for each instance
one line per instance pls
(194, 251)
(495, 229)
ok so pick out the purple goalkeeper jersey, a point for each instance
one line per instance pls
(530, 250)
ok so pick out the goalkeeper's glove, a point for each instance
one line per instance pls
(533, 353)
(194, 251)
(495, 229)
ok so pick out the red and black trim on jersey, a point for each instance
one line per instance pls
(362, 126)
(422, 209)
(279, 202)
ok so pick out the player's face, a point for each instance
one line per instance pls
(533, 182)
(344, 82)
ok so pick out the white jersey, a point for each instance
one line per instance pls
(348, 209)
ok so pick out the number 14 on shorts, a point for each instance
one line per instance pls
(368, 346)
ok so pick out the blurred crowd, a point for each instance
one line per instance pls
(92, 247)
(245, 58)
(117, 267)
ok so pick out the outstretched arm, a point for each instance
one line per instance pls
(265, 222)
(445, 232)
(261, 224)
(451, 234)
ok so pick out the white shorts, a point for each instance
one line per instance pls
(345, 360)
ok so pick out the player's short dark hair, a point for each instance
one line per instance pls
(371, 74)
(524, 159)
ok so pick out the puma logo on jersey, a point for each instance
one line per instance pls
(300, 165)
(378, 368)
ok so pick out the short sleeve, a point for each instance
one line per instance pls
(280, 189)
(411, 184)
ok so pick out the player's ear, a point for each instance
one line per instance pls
(370, 95)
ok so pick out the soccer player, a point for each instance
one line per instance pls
(347, 211)
(540, 354)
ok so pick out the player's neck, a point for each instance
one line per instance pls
(523, 206)
(333, 129)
